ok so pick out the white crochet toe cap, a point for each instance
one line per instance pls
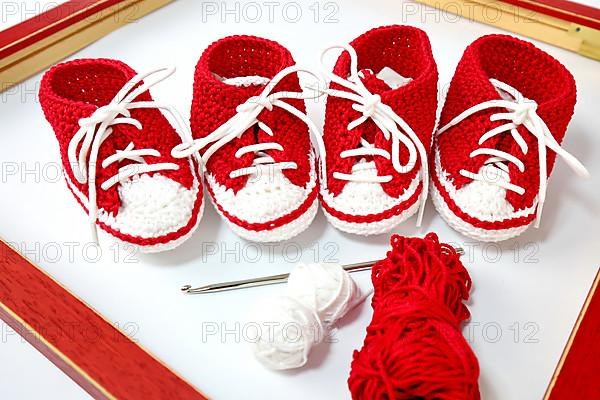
(485, 200)
(366, 198)
(265, 197)
(152, 206)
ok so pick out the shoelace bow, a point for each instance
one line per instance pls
(246, 116)
(96, 128)
(522, 112)
(391, 125)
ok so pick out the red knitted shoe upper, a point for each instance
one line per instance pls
(215, 102)
(407, 51)
(74, 90)
(537, 75)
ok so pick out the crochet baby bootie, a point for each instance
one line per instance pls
(115, 147)
(506, 113)
(249, 124)
(380, 115)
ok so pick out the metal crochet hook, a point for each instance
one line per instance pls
(271, 280)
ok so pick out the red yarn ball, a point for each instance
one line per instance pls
(414, 347)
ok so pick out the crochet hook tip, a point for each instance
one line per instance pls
(187, 289)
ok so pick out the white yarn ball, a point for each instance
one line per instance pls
(288, 332)
(317, 296)
(326, 288)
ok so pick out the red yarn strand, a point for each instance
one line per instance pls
(414, 348)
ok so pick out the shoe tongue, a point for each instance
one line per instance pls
(373, 83)
(505, 95)
(246, 82)
(506, 142)
(386, 79)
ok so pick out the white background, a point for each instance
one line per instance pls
(539, 279)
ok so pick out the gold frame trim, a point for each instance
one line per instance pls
(30, 60)
(565, 34)
(83, 10)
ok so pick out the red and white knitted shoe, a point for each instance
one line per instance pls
(248, 118)
(380, 116)
(507, 104)
(115, 147)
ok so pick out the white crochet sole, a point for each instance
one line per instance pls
(465, 228)
(279, 234)
(160, 247)
(373, 228)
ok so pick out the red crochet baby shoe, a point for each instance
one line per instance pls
(507, 104)
(115, 147)
(380, 115)
(248, 118)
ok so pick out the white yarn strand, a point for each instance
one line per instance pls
(317, 297)
(96, 128)
(392, 126)
(522, 112)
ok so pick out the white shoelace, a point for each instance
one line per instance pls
(521, 111)
(246, 118)
(96, 128)
(389, 123)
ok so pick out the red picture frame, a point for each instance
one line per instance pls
(104, 361)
